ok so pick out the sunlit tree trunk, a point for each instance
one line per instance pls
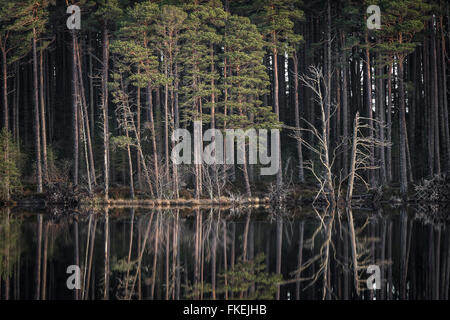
(43, 118)
(105, 59)
(301, 175)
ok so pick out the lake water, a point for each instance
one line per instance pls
(142, 253)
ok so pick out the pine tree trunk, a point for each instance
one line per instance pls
(301, 175)
(105, 59)
(352, 171)
(74, 111)
(381, 129)
(345, 111)
(91, 84)
(130, 164)
(389, 125)
(435, 101)
(138, 132)
(368, 89)
(277, 108)
(328, 69)
(85, 119)
(444, 90)
(402, 119)
(37, 139)
(153, 133)
(166, 119)
(43, 118)
(6, 118)
(5, 90)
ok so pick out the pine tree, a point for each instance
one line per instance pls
(276, 20)
(168, 28)
(14, 43)
(137, 33)
(9, 166)
(38, 20)
(248, 80)
(402, 20)
(196, 88)
(106, 14)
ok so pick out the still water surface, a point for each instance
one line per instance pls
(223, 254)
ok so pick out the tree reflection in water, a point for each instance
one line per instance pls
(141, 253)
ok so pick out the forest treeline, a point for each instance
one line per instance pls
(96, 107)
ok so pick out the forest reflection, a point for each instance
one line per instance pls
(224, 254)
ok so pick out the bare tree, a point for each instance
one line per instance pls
(317, 83)
(363, 151)
(362, 155)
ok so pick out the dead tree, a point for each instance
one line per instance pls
(317, 83)
(362, 152)
(363, 146)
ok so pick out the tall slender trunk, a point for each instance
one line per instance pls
(368, 84)
(381, 125)
(402, 125)
(166, 119)
(138, 132)
(153, 133)
(435, 100)
(105, 58)
(328, 68)
(128, 114)
(276, 104)
(6, 116)
(389, 124)
(74, 111)
(5, 90)
(43, 120)
(213, 118)
(301, 175)
(17, 104)
(352, 172)
(91, 83)
(37, 139)
(85, 119)
(444, 90)
(345, 111)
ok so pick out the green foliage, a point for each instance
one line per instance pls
(120, 142)
(401, 21)
(200, 37)
(9, 243)
(16, 21)
(276, 19)
(248, 79)
(242, 278)
(9, 160)
(105, 12)
(253, 272)
(134, 47)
